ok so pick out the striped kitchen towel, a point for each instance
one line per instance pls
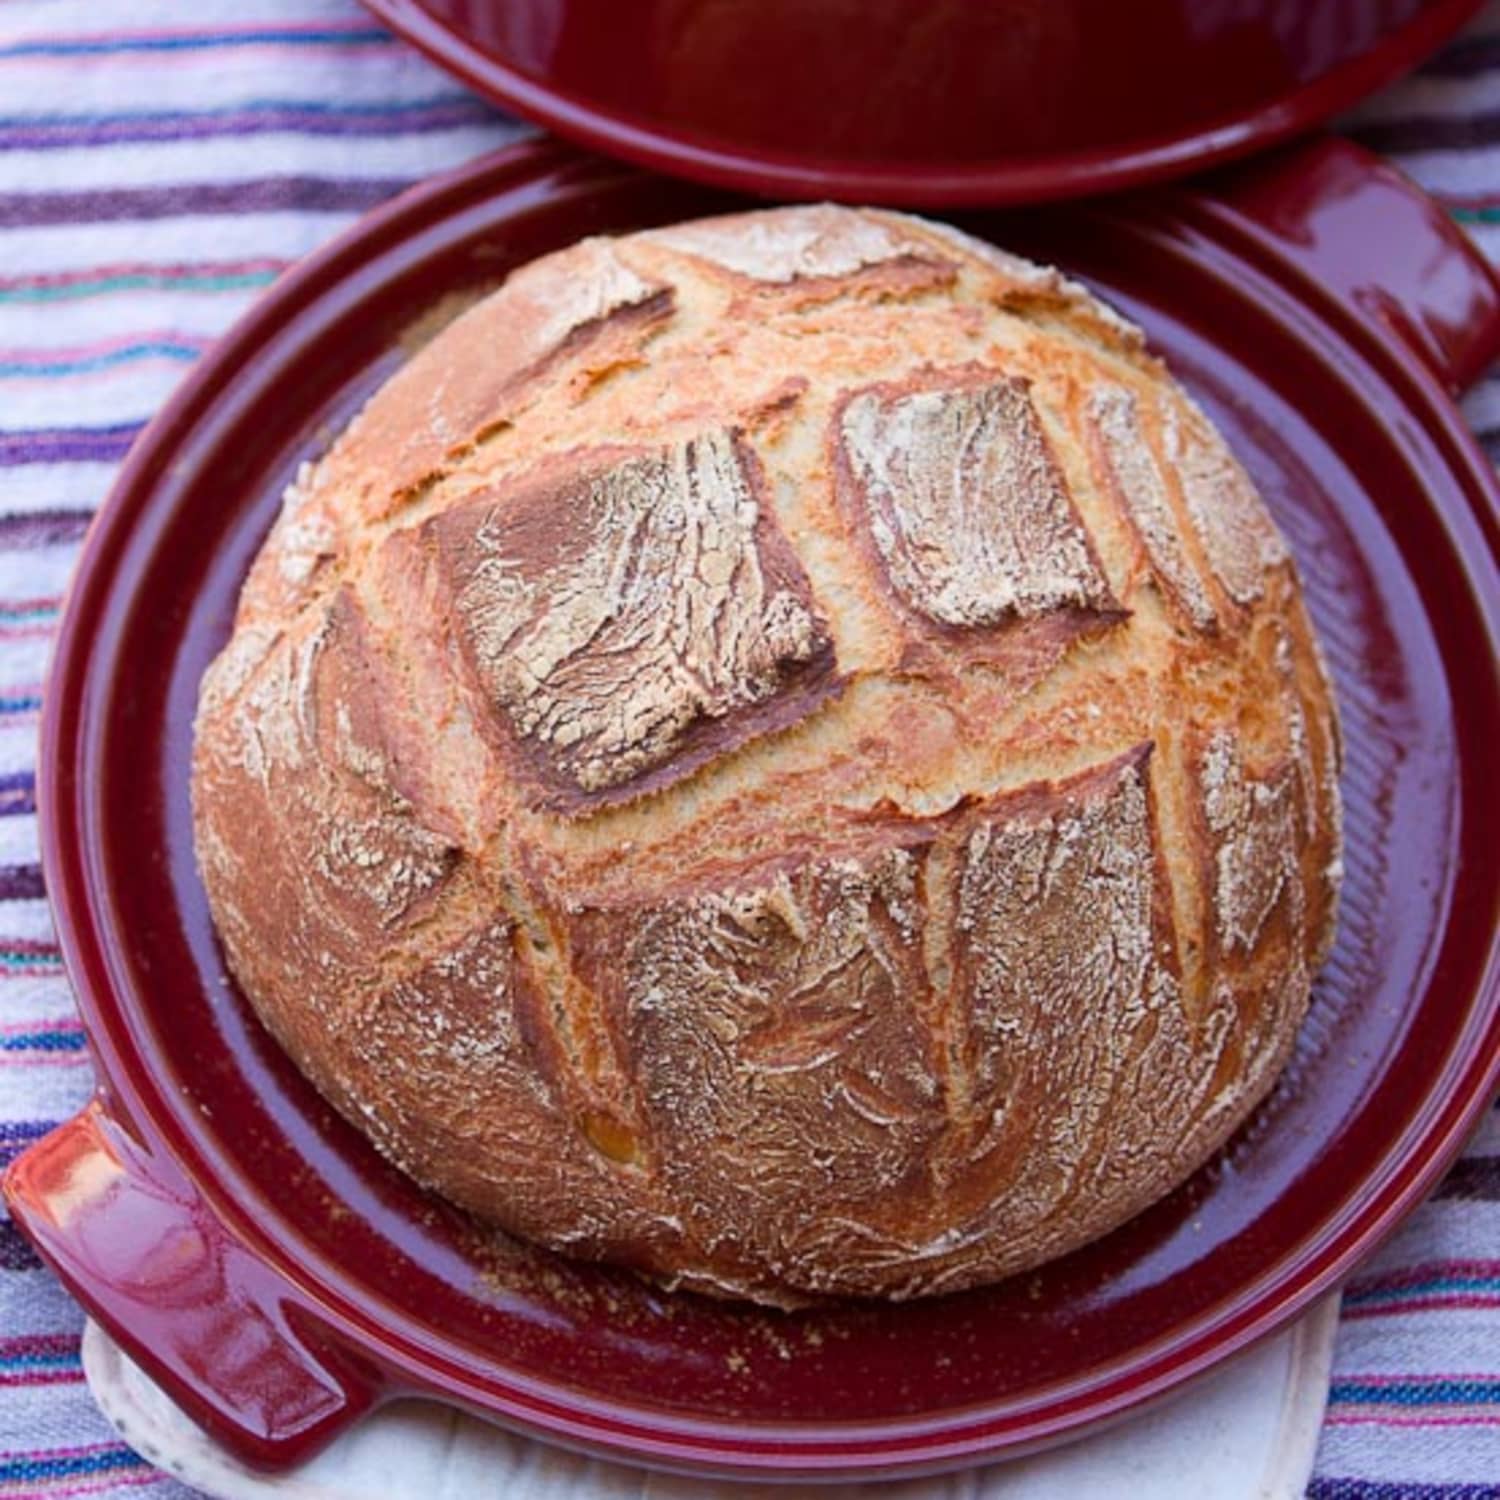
(161, 161)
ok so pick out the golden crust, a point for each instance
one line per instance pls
(784, 752)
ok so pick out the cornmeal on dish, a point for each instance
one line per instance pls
(784, 752)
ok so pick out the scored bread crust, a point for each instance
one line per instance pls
(783, 752)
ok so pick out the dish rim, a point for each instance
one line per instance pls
(887, 1447)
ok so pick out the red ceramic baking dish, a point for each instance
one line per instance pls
(253, 1253)
(926, 102)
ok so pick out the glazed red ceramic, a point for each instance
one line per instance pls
(261, 1262)
(926, 102)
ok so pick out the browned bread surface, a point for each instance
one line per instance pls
(784, 752)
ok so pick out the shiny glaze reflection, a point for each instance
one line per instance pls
(129, 1226)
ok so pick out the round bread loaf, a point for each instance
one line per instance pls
(783, 752)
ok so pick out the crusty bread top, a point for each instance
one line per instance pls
(793, 714)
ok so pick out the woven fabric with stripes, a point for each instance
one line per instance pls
(161, 162)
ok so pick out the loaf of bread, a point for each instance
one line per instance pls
(783, 752)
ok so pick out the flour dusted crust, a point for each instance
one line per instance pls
(633, 614)
(965, 503)
(784, 752)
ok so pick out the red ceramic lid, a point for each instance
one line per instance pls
(935, 102)
(255, 1255)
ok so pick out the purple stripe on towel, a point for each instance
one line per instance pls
(197, 125)
(28, 529)
(1430, 133)
(61, 445)
(16, 1253)
(21, 883)
(261, 195)
(1476, 1178)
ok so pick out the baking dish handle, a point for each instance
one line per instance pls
(1368, 236)
(228, 1338)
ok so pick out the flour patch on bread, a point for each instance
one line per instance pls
(1115, 415)
(797, 243)
(966, 504)
(617, 610)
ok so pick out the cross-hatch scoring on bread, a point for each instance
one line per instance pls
(784, 752)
